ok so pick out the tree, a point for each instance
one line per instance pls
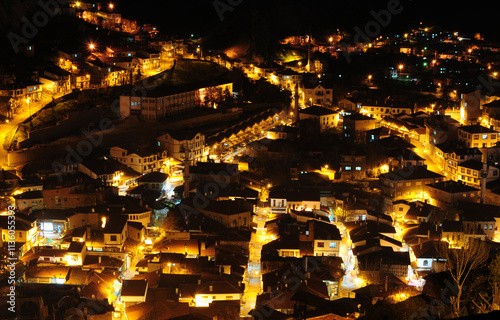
(470, 254)
(494, 279)
(490, 301)
(172, 222)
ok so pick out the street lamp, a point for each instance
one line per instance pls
(28, 103)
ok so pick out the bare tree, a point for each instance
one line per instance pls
(465, 256)
(490, 301)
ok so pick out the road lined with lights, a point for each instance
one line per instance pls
(253, 274)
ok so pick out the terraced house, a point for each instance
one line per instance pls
(478, 136)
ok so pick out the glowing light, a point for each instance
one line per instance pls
(103, 220)
(360, 282)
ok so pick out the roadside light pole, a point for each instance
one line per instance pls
(28, 103)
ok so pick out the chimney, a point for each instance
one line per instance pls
(99, 259)
(210, 288)
(199, 281)
(88, 233)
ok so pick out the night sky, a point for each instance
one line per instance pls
(278, 18)
(200, 16)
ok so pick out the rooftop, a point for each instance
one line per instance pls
(475, 128)
(317, 111)
(413, 173)
(451, 186)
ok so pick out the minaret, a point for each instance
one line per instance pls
(187, 177)
(297, 108)
(309, 52)
(484, 175)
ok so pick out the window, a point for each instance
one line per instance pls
(476, 137)
(333, 244)
(348, 168)
(358, 168)
(485, 136)
(426, 263)
(321, 244)
(112, 238)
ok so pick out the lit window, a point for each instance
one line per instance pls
(333, 244)
(348, 168)
(358, 168)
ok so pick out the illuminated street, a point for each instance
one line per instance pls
(253, 276)
(423, 152)
(28, 109)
